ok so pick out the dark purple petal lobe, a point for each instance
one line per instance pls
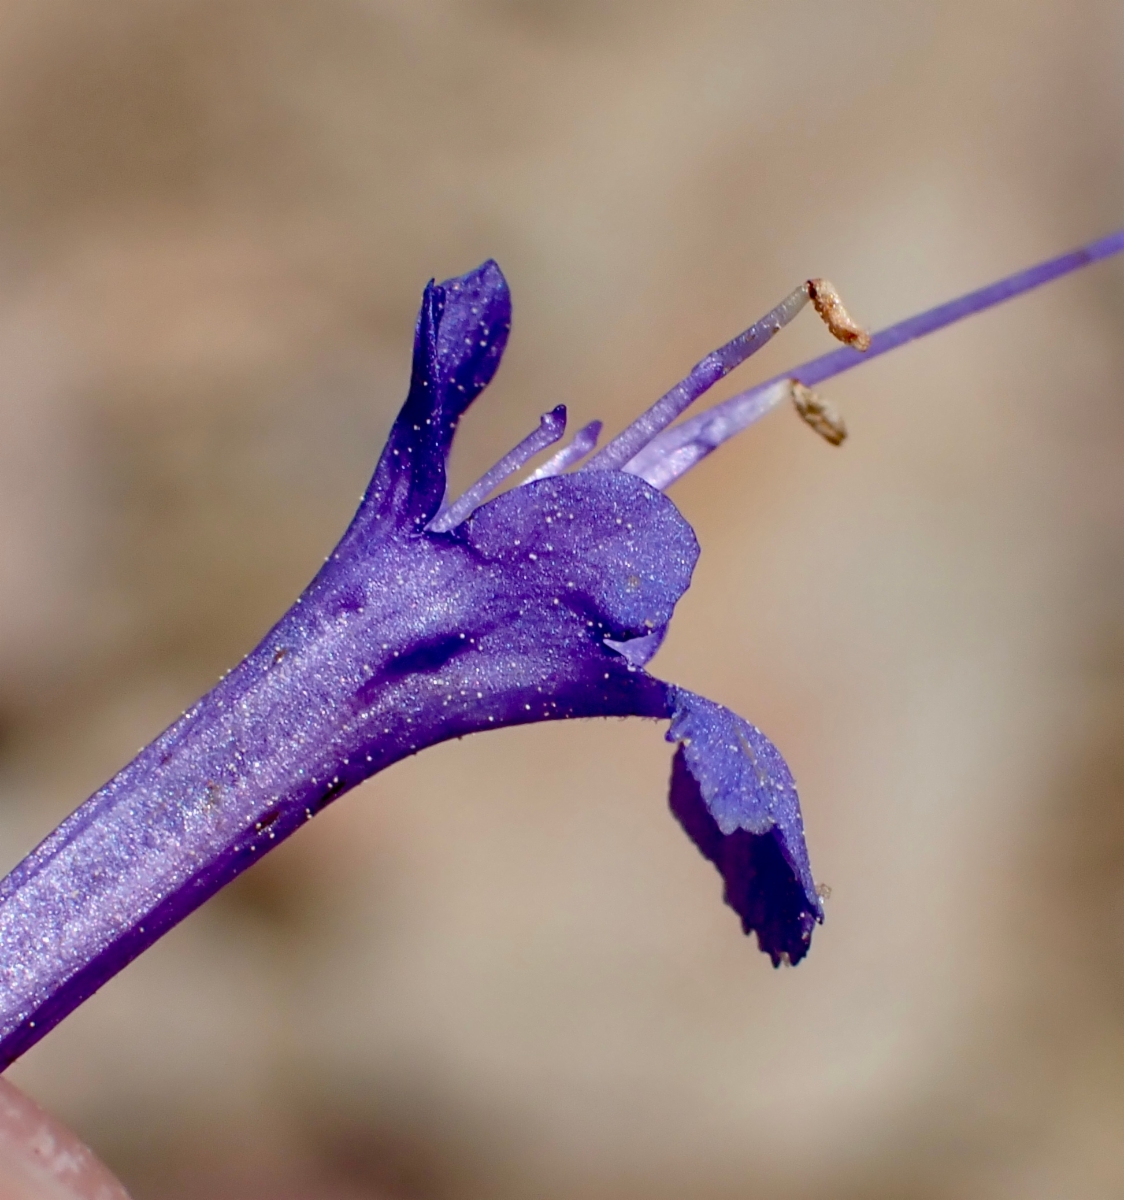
(734, 795)
(460, 337)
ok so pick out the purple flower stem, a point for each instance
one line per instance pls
(674, 451)
(552, 426)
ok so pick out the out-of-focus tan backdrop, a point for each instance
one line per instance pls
(500, 971)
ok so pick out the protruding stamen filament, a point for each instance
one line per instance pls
(584, 441)
(679, 448)
(676, 450)
(838, 320)
(552, 426)
(819, 414)
(705, 374)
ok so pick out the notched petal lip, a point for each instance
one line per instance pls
(735, 797)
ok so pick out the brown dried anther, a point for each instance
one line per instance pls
(819, 414)
(830, 307)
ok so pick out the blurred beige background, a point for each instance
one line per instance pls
(499, 970)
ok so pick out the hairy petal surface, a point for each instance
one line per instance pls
(461, 333)
(734, 795)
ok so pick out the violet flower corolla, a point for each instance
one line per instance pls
(432, 620)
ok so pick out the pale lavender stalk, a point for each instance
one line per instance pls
(664, 459)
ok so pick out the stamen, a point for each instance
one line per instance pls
(718, 364)
(552, 426)
(704, 375)
(584, 441)
(819, 414)
(674, 451)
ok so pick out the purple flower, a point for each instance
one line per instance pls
(427, 622)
